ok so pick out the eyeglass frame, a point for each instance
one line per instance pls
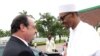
(62, 18)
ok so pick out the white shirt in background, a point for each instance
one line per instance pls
(50, 45)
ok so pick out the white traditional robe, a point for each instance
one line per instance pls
(83, 41)
(50, 45)
(98, 30)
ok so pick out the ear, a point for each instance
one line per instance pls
(22, 27)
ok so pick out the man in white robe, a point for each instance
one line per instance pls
(50, 44)
(83, 39)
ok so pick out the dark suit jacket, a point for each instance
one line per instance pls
(15, 47)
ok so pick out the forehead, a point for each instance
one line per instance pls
(63, 13)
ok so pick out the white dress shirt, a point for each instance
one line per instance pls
(83, 41)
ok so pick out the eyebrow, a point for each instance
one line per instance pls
(61, 18)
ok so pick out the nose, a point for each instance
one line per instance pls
(63, 22)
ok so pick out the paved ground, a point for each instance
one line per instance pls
(58, 47)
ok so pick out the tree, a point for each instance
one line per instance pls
(24, 12)
(4, 33)
(7, 33)
(48, 24)
(45, 25)
(60, 30)
(1, 33)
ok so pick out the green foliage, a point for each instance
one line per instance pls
(44, 43)
(48, 24)
(24, 12)
(4, 33)
(1, 33)
(57, 41)
(45, 25)
(39, 43)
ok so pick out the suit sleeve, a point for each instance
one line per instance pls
(26, 53)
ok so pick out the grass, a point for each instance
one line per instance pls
(44, 43)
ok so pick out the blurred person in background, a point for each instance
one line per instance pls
(50, 44)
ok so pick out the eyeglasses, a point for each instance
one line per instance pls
(62, 18)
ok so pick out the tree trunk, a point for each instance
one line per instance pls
(54, 39)
(59, 38)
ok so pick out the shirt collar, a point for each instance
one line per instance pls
(21, 40)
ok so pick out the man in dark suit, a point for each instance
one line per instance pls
(23, 30)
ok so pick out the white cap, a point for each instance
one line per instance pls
(67, 8)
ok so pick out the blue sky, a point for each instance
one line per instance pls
(10, 8)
